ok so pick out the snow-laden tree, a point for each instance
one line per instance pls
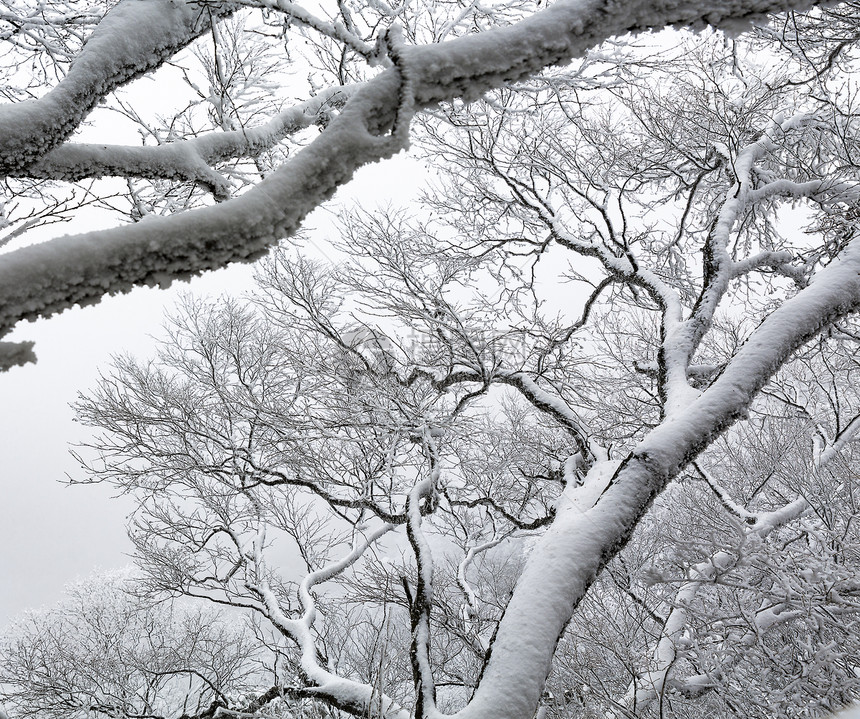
(104, 651)
(463, 423)
(642, 161)
(462, 426)
(279, 428)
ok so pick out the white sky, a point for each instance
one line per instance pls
(51, 533)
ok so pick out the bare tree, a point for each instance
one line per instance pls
(407, 420)
(105, 652)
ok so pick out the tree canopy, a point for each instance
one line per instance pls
(574, 437)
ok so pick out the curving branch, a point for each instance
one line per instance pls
(496, 507)
(421, 603)
(279, 478)
(345, 694)
(42, 280)
(470, 608)
(578, 544)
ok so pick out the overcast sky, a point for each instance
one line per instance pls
(53, 533)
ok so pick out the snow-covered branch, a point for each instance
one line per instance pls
(335, 30)
(346, 694)
(40, 281)
(578, 544)
(190, 159)
(117, 52)
(421, 602)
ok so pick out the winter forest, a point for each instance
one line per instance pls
(575, 435)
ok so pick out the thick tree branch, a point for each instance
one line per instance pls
(116, 53)
(42, 280)
(579, 543)
(189, 159)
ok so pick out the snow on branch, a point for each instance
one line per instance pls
(726, 500)
(115, 53)
(824, 455)
(550, 403)
(351, 696)
(42, 280)
(568, 557)
(189, 159)
(334, 30)
(759, 524)
(425, 490)
(470, 608)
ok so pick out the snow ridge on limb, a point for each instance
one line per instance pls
(351, 696)
(43, 280)
(115, 53)
(190, 159)
(566, 560)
